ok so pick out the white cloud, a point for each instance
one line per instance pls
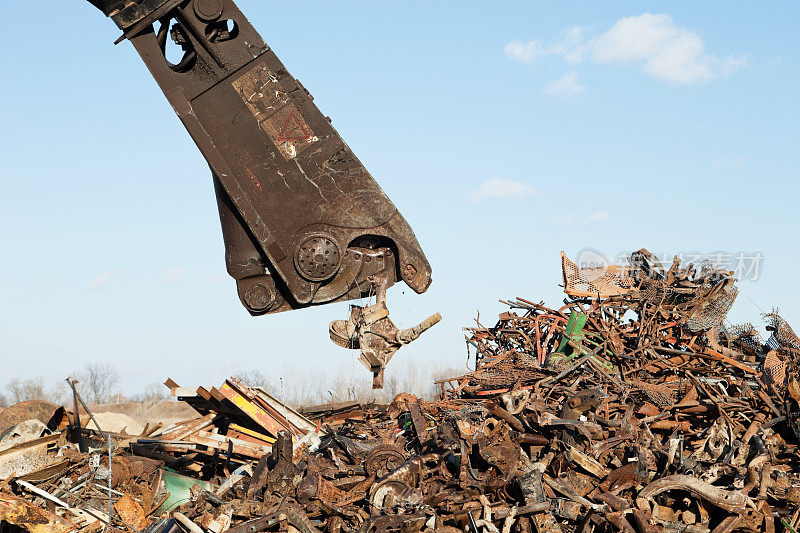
(172, 275)
(596, 217)
(568, 46)
(525, 53)
(495, 188)
(652, 42)
(102, 280)
(662, 49)
(566, 86)
(728, 161)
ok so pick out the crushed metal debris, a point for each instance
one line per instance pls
(372, 331)
(633, 407)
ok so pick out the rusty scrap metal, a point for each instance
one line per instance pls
(654, 405)
(371, 330)
(609, 413)
(19, 512)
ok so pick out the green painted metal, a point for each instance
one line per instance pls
(575, 342)
(179, 488)
(573, 332)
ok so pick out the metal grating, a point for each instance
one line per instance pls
(595, 282)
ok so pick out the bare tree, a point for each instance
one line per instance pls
(59, 393)
(98, 380)
(314, 385)
(3, 401)
(153, 392)
(24, 390)
(251, 377)
(435, 390)
(346, 387)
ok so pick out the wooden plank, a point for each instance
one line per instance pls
(259, 437)
(252, 410)
(221, 442)
(39, 444)
(182, 432)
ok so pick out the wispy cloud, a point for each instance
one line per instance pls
(728, 161)
(102, 280)
(596, 217)
(172, 276)
(599, 216)
(498, 188)
(566, 86)
(568, 46)
(651, 42)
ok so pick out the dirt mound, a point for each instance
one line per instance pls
(116, 423)
(165, 411)
(33, 409)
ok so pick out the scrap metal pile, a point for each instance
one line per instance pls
(655, 415)
(632, 407)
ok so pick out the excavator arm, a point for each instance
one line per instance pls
(304, 223)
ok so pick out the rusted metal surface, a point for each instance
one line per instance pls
(304, 223)
(370, 330)
(18, 512)
(130, 511)
(257, 416)
(652, 406)
(335, 413)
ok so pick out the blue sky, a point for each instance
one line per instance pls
(505, 132)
